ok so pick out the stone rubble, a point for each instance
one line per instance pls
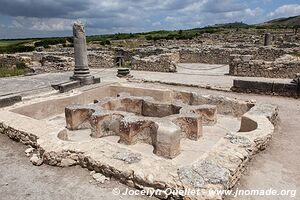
(36, 160)
(99, 178)
(29, 151)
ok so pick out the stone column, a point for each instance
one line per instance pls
(268, 39)
(81, 71)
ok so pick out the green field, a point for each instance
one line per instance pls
(4, 43)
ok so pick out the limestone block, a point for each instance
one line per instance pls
(152, 109)
(191, 126)
(77, 116)
(167, 140)
(133, 129)
(208, 113)
(100, 124)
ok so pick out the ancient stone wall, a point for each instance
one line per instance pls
(101, 59)
(246, 65)
(63, 60)
(161, 63)
(53, 63)
(220, 55)
(9, 60)
(141, 52)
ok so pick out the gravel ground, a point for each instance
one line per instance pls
(20, 180)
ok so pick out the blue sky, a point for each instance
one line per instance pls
(48, 18)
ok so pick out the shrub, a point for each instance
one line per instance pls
(14, 48)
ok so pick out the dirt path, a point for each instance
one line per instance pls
(19, 179)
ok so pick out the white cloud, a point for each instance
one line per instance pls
(285, 11)
(42, 24)
(156, 23)
(110, 16)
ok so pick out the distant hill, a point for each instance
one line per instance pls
(288, 21)
(274, 23)
(231, 25)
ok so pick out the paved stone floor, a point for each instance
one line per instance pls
(277, 167)
(202, 75)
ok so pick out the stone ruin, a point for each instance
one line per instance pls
(145, 138)
(142, 119)
(163, 56)
(245, 65)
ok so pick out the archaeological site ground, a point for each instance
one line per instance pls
(214, 111)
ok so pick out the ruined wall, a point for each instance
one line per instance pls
(63, 61)
(8, 60)
(221, 55)
(161, 63)
(246, 65)
(101, 59)
(141, 52)
(53, 63)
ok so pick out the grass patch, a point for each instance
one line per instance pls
(5, 72)
(20, 69)
(4, 43)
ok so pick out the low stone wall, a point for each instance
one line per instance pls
(269, 88)
(161, 63)
(64, 61)
(141, 52)
(8, 60)
(245, 65)
(221, 55)
(101, 59)
(52, 63)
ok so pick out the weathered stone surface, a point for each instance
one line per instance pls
(78, 116)
(167, 140)
(191, 126)
(208, 113)
(134, 129)
(162, 63)
(202, 173)
(81, 70)
(218, 168)
(29, 151)
(100, 178)
(260, 87)
(283, 67)
(9, 100)
(35, 160)
(128, 157)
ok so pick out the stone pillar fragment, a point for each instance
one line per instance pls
(81, 71)
(268, 39)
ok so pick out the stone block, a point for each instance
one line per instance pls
(133, 129)
(191, 126)
(167, 140)
(65, 87)
(78, 116)
(151, 109)
(208, 113)
(9, 100)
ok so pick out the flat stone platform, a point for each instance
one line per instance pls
(200, 75)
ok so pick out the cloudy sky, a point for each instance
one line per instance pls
(47, 18)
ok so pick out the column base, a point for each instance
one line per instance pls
(85, 80)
